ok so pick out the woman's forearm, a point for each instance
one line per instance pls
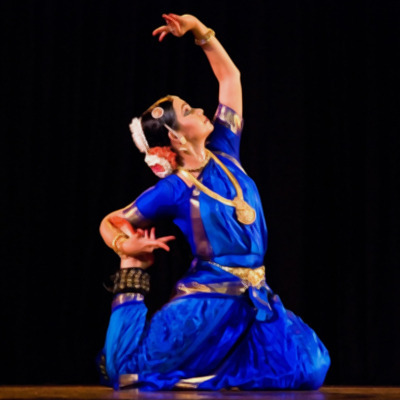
(225, 70)
(108, 231)
(219, 59)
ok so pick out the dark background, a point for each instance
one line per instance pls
(321, 105)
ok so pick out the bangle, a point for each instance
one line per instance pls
(205, 39)
(115, 241)
(131, 280)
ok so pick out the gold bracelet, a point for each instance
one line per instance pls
(205, 39)
(114, 244)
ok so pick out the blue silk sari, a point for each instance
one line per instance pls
(224, 327)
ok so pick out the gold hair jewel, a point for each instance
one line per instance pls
(244, 212)
(157, 112)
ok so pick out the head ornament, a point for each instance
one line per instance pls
(157, 112)
(158, 164)
(138, 135)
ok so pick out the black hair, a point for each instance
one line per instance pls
(154, 130)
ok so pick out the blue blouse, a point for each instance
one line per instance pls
(211, 227)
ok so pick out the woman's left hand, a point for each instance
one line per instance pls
(145, 258)
(143, 242)
(177, 25)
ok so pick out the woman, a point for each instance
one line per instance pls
(224, 327)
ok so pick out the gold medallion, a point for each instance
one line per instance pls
(244, 212)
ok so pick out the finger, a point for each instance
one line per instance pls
(162, 36)
(168, 20)
(165, 239)
(159, 30)
(153, 233)
(172, 23)
(173, 18)
(162, 31)
(163, 246)
(167, 16)
(155, 244)
(162, 243)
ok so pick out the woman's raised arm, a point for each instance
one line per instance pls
(226, 72)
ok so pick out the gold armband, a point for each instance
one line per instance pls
(205, 39)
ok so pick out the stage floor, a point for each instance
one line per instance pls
(100, 393)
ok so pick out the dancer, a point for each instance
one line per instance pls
(223, 327)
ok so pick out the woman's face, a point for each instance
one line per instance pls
(193, 124)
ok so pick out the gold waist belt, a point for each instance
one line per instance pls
(249, 277)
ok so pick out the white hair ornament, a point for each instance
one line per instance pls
(141, 143)
(138, 135)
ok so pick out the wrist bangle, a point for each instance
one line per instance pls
(205, 39)
(115, 241)
(131, 280)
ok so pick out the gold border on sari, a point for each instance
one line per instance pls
(125, 380)
(249, 278)
(134, 216)
(122, 298)
(193, 383)
(229, 118)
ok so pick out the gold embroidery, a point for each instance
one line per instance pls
(229, 118)
(122, 298)
(248, 278)
(192, 383)
(134, 216)
(230, 288)
(127, 379)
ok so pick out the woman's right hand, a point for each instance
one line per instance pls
(176, 25)
(226, 72)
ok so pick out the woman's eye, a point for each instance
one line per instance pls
(187, 111)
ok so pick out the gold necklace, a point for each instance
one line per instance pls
(244, 212)
(203, 164)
